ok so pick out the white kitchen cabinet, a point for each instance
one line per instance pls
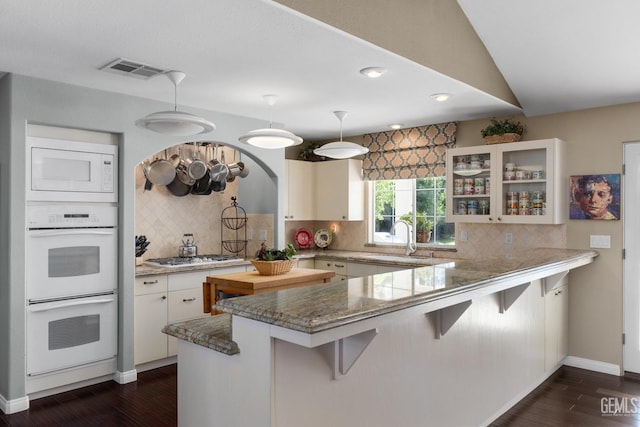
(149, 318)
(300, 201)
(531, 199)
(163, 299)
(556, 325)
(339, 190)
(306, 263)
(339, 267)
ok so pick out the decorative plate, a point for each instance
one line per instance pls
(322, 238)
(304, 238)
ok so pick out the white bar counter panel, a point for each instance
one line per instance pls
(450, 345)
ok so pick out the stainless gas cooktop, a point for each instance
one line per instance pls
(176, 262)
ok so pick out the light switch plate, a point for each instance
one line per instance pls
(600, 241)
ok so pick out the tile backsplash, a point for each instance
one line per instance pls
(483, 240)
(164, 218)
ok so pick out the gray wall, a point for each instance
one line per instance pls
(26, 100)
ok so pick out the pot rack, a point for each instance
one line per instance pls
(233, 228)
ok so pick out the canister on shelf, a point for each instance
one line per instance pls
(512, 211)
(483, 207)
(472, 207)
(462, 207)
(479, 186)
(537, 174)
(487, 186)
(537, 195)
(524, 195)
(523, 211)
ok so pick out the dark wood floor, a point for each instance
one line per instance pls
(571, 397)
(151, 401)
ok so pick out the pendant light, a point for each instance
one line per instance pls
(340, 149)
(176, 123)
(270, 138)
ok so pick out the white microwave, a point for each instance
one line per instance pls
(72, 171)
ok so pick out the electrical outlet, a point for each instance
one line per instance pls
(263, 235)
(249, 233)
(600, 241)
(508, 238)
(464, 236)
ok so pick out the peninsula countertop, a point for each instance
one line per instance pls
(313, 309)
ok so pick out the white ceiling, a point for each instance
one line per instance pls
(564, 55)
(554, 55)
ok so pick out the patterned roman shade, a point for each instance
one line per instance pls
(408, 153)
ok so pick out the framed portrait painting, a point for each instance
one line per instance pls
(595, 197)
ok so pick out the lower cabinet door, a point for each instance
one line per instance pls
(150, 318)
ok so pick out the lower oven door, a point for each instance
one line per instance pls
(66, 263)
(69, 333)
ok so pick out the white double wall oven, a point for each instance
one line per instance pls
(71, 255)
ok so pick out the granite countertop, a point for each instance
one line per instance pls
(372, 257)
(150, 270)
(317, 308)
(349, 256)
(211, 332)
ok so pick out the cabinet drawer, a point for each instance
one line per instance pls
(192, 279)
(150, 284)
(185, 304)
(339, 267)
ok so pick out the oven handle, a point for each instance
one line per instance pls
(34, 308)
(70, 232)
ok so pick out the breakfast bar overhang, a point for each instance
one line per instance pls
(451, 344)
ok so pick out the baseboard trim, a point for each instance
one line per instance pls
(125, 377)
(593, 365)
(14, 405)
(518, 397)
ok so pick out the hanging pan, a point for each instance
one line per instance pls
(160, 171)
(219, 174)
(202, 185)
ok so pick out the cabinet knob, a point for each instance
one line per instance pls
(290, 216)
(150, 283)
(490, 219)
(339, 265)
(163, 297)
(499, 218)
(188, 299)
(344, 217)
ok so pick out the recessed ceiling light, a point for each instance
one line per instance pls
(396, 126)
(440, 97)
(373, 72)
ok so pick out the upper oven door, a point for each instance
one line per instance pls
(70, 262)
(70, 171)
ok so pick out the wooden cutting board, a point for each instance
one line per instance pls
(253, 280)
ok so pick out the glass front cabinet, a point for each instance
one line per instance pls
(517, 183)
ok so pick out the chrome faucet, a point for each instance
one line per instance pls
(411, 246)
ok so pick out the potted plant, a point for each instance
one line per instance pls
(424, 226)
(500, 131)
(307, 154)
(271, 262)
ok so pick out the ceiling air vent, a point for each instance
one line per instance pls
(132, 69)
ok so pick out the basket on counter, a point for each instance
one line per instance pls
(273, 268)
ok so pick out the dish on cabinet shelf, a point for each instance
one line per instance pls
(304, 238)
(469, 172)
(322, 238)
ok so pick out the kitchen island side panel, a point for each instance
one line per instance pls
(407, 377)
